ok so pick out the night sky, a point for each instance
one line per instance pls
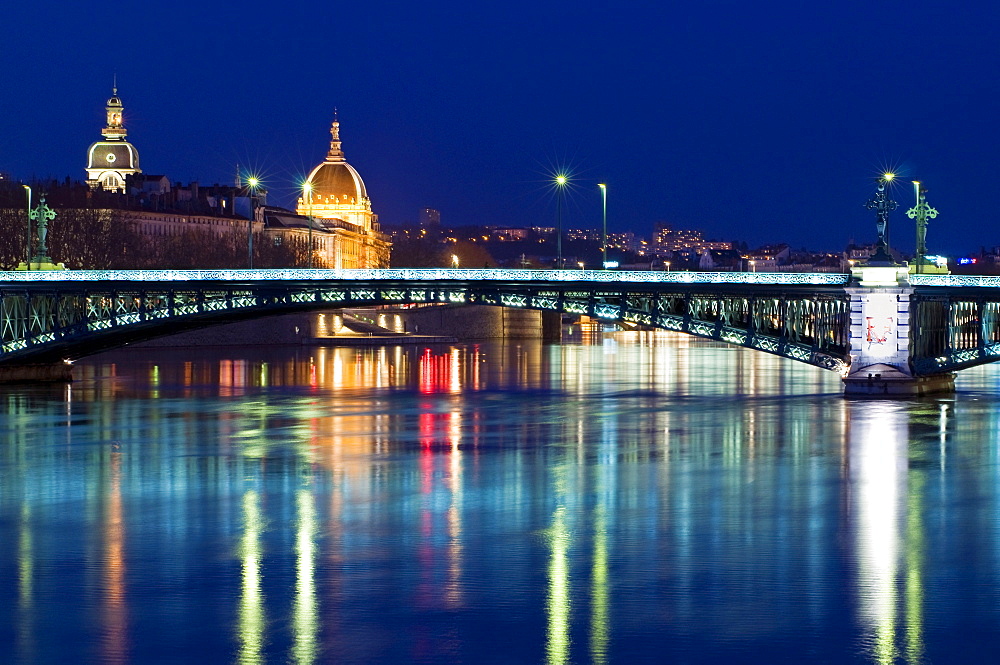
(762, 122)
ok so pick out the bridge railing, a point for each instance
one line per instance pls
(426, 274)
(992, 281)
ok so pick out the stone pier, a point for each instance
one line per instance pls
(880, 337)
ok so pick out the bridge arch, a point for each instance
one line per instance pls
(51, 317)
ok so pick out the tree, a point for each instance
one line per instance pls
(93, 239)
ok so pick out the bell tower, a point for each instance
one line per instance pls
(111, 160)
(115, 130)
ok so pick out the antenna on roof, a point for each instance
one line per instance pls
(239, 176)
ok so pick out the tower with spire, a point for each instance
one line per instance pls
(111, 160)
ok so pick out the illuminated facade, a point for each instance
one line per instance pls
(334, 195)
(111, 160)
(667, 240)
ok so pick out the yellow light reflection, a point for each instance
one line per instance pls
(25, 587)
(914, 570)
(251, 610)
(115, 612)
(305, 620)
(557, 643)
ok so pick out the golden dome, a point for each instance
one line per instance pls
(336, 183)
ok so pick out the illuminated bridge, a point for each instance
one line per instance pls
(880, 330)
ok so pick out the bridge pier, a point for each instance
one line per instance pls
(880, 337)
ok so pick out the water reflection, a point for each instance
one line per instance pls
(251, 611)
(558, 644)
(305, 611)
(636, 359)
(25, 586)
(888, 508)
(115, 619)
(642, 498)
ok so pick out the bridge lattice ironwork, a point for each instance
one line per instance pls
(51, 316)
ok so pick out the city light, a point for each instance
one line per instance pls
(561, 180)
(307, 188)
(252, 183)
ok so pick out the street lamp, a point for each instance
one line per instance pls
(252, 183)
(604, 225)
(561, 184)
(882, 205)
(454, 260)
(307, 188)
(27, 238)
(668, 265)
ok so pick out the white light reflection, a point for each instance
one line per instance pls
(305, 620)
(251, 609)
(878, 462)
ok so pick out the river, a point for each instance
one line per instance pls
(637, 497)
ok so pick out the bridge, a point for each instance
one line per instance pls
(883, 330)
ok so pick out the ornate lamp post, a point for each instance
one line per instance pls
(921, 212)
(42, 215)
(882, 207)
(604, 225)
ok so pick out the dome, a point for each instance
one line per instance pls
(112, 155)
(114, 101)
(337, 183)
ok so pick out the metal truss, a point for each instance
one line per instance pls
(47, 320)
(954, 328)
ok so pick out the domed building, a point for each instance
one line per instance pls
(111, 160)
(334, 198)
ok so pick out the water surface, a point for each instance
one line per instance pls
(641, 498)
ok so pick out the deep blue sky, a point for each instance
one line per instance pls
(764, 122)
